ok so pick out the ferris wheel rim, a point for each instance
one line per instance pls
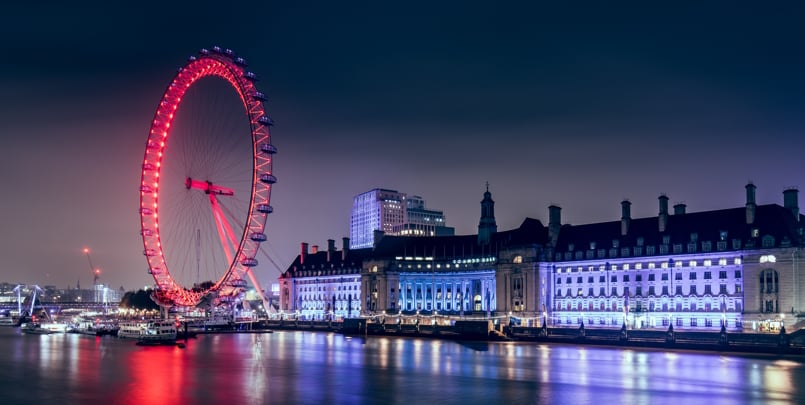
(225, 65)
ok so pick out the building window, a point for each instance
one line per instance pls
(601, 292)
(517, 259)
(664, 277)
(678, 290)
(769, 281)
(737, 274)
(639, 291)
(707, 289)
(625, 278)
(579, 279)
(613, 279)
(651, 290)
(558, 280)
(665, 290)
(638, 277)
(722, 274)
(590, 279)
(614, 291)
(708, 275)
(678, 276)
(693, 290)
(722, 289)
(651, 277)
(602, 279)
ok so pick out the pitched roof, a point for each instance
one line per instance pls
(770, 219)
(531, 231)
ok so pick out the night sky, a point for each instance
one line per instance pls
(580, 105)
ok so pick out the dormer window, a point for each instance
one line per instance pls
(615, 243)
(755, 232)
(570, 247)
(694, 237)
(722, 235)
(592, 245)
(666, 239)
(640, 241)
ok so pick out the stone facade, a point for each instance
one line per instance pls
(737, 267)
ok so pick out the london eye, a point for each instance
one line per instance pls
(205, 189)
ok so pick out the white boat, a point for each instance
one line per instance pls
(150, 331)
(44, 328)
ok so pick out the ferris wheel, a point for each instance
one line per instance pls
(205, 190)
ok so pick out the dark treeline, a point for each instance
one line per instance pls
(139, 299)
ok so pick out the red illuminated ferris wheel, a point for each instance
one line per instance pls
(206, 182)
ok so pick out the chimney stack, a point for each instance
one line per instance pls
(791, 201)
(679, 209)
(626, 216)
(303, 253)
(345, 244)
(663, 217)
(554, 223)
(751, 207)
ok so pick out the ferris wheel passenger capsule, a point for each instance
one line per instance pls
(268, 178)
(268, 148)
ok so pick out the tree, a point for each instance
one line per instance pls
(141, 299)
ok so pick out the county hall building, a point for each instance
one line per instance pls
(695, 270)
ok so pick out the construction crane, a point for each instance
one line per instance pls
(96, 273)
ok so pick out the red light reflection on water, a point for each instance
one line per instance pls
(156, 375)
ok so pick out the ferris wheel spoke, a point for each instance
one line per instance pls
(181, 239)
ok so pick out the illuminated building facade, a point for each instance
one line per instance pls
(323, 285)
(393, 213)
(737, 267)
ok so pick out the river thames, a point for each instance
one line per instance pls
(316, 368)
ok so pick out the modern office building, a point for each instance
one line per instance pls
(393, 213)
(738, 267)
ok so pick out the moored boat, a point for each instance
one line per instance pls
(148, 331)
(43, 328)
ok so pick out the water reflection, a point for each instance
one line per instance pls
(296, 367)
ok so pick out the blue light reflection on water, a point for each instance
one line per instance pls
(297, 367)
